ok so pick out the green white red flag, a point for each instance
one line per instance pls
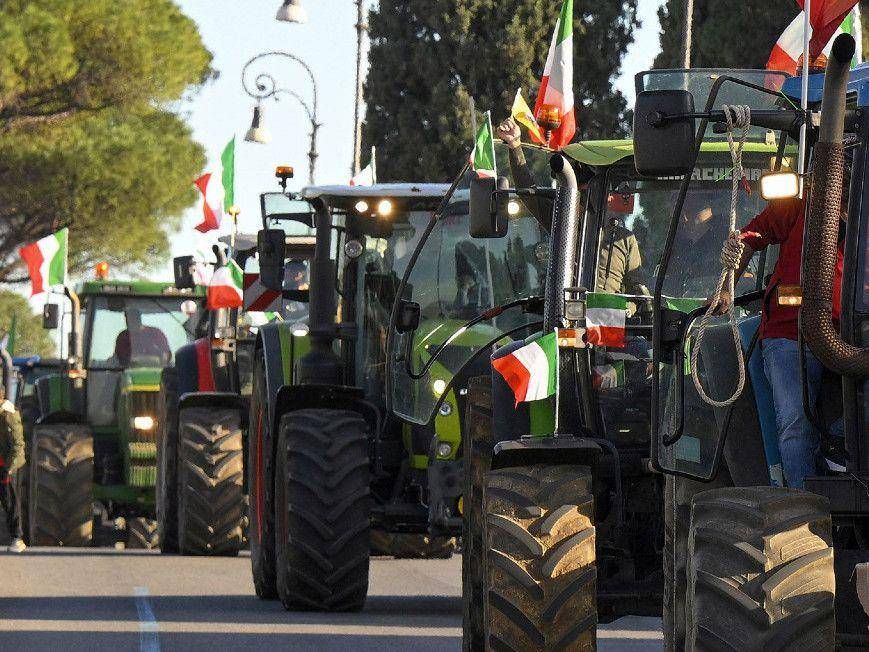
(46, 261)
(605, 319)
(825, 17)
(608, 376)
(532, 370)
(556, 87)
(225, 288)
(483, 154)
(218, 190)
(788, 49)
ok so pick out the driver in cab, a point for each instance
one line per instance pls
(138, 341)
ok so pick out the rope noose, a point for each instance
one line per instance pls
(737, 117)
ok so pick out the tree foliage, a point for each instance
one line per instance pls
(30, 338)
(428, 57)
(87, 138)
(723, 36)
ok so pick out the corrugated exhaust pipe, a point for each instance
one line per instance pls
(563, 241)
(822, 233)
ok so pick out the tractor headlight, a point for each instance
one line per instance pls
(445, 409)
(143, 423)
(438, 386)
(444, 449)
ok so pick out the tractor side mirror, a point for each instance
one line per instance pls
(271, 247)
(182, 266)
(664, 133)
(485, 219)
(407, 319)
(50, 316)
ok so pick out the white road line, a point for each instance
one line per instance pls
(148, 628)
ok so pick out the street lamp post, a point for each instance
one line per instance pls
(291, 11)
(264, 87)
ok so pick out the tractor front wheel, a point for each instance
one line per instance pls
(142, 533)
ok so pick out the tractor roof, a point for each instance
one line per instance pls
(600, 153)
(395, 190)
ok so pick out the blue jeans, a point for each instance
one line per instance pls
(797, 438)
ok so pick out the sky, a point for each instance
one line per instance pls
(237, 31)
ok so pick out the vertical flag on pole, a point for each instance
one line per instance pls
(218, 190)
(788, 49)
(825, 17)
(556, 87)
(46, 261)
(483, 154)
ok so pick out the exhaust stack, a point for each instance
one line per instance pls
(821, 244)
(565, 226)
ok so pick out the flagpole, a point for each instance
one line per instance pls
(689, 25)
(234, 212)
(373, 164)
(804, 95)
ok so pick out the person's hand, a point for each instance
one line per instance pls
(509, 133)
(723, 304)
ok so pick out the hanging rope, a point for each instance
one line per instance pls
(737, 117)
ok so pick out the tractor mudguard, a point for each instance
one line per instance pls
(332, 397)
(563, 449)
(59, 400)
(279, 349)
(193, 362)
(221, 400)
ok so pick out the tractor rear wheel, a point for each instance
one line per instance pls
(60, 503)
(760, 571)
(167, 461)
(260, 474)
(403, 545)
(477, 444)
(142, 533)
(322, 510)
(540, 559)
(210, 481)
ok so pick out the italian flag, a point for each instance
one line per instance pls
(605, 319)
(218, 190)
(483, 154)
(46, 261)
(826, 19)
(556, 87)
(789, 47)
(607, 376)
(532, 370)
(225, 289)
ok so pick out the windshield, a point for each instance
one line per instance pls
(456, 279)
(136, 331)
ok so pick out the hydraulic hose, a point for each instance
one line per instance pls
(563, 243)
(820, 250)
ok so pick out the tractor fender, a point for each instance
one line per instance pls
(216, 400)
(552, 450)
(276, 349)
(193, 362)
(60, 399)
(332, 397)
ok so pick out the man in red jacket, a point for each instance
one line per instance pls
(782, 223)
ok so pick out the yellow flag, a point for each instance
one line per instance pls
(521, 112)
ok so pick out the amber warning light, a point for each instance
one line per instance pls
(102, 270)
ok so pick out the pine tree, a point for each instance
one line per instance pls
(428, 57)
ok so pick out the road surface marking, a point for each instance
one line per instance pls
(148, 628)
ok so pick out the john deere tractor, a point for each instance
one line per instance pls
(564, 519)
(92, 449)
(202, 412)
(333, 476)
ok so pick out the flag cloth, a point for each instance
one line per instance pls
(8, 341)
(483, 154)
(532, 370)
(46, 261)
(605, 319)
(225, 288)
(789, 48)
(365, 177)
(826, 16)
(608, 376)
(556, 87)
(218, 190)
(522, 114)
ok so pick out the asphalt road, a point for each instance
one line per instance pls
(102, 599)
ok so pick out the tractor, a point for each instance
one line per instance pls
(564, 521)
(91, 430)
(753, 564)
(333, 477)
(202, 413)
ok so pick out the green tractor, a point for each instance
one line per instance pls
(92, 447)
(564, 519)
(333, 477)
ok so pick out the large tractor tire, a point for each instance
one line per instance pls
(142, 533)
(210, 481)
(540, 568)
(477, 444)
(260, 474)
(61, 486)
(760, 571)
(403, 545)
(167, 461)
(322, 510)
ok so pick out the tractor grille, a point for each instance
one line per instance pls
(143, 404)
